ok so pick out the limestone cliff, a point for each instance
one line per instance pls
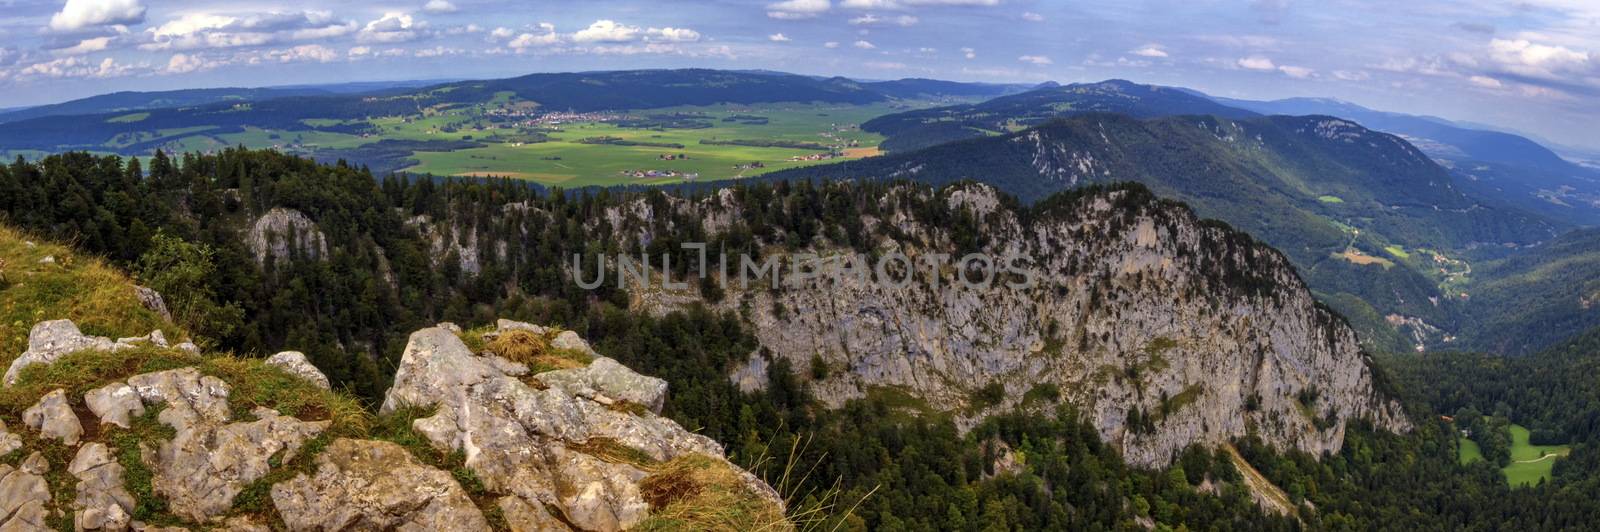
(1164, 329)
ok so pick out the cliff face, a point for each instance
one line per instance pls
(1164, 329)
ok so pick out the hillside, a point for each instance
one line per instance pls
(136, 101)
(1532, 299)
(913, 130)
(138, 432)
(1332, 195)
(1488, 163)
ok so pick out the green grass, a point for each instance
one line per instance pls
(1530, 463)
(1398, 251)
(1467, 451)
(128, 118)
(1331, 199)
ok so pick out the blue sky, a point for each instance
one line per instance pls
(1533, 65)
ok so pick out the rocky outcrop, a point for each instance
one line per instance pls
(51, 340)
(1164, 330)
(296, 364)
(552, 446)
(53, 418)
(372, 485)
(283, 234)
(152, 301)
(24, 495)
(567, 449)
(102, 502)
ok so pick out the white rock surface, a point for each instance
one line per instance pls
(102, 503)
(374, 485)
(295, 363)
(53, 417)
(115, 404)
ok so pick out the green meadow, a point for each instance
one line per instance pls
(1530, 463)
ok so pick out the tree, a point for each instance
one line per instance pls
(183, 273)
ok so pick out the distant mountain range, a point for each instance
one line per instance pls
(923, 128)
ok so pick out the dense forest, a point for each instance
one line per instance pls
(880, 462)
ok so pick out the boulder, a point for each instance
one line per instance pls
(50, 340)
(23, 497)
(295, 363)
(102, 503)
(571, 340)
(374, 485)
(8, 441)
(607, 381)
(53, 417)
(115, 404)
(152, 301)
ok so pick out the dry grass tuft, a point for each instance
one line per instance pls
(698, 492)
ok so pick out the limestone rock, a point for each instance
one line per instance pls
(102, 502)
(295, 363)
(201, 469)
(115, 404)
(8, 441)
(571, 340)
(53, 417)
(374, 485)
(522, 516)
(152, 301)
(285, 233)
(605, 381)
(23, 496)
(533, 444)
(50, 340)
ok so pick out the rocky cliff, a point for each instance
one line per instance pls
(530, 430)
(1164, 329)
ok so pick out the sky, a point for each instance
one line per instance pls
(1531, 66)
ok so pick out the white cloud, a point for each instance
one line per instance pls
(196, 31)
(1036, 60)
(1486, 81)
(778, 37)
(439, 6)
(830, 44)
(1032, 17)
(798, 9)
(1352, 75)
(392, 27)
(1297, 72)
(870, 19)
(1527, 58)
(864, 45)
(80, 14)
(534, 40)
(671, 35)
(501, 33)
(885, 65)
(85, 46)
(606, 31)
(903, 4)
(305, 53)
(1256, 62)
(184, 64)
(1150, 50)
(969, 53)
(76, 67)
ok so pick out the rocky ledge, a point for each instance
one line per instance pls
(577, 446)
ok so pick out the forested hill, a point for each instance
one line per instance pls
(912, 130)
(1331, 194)
(129, 101)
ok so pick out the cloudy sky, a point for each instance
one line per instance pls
(1532, 65)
